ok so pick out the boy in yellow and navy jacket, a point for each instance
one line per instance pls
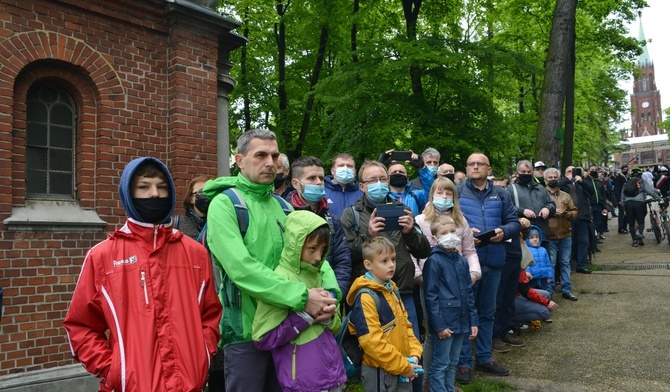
(391, 352)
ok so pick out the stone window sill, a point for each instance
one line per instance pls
(60, 216)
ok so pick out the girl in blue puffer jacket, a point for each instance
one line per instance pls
(540, 274)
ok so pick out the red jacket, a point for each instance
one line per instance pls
(523, 288)
(151, 287)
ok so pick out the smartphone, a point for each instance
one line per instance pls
(401, 156)
(577, 171)
(485, 238)
(391, 212)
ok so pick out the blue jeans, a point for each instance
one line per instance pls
(580, 235)
(410, 307)
(486, 292)
(559, 253)
(445, 358)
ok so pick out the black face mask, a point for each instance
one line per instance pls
(280, 179)
(398, 180)
(153, 210)
(593, 173)
(202, 202)
(552, 183)
(525, 179)
(451, 176)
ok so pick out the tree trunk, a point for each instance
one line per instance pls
(323, 41)
(568, 142)
(555, 76)
(411, 10)
(280, 35)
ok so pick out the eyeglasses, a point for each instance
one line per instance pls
(473, 164)
(374, 180)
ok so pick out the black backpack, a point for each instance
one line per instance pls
(632, 187)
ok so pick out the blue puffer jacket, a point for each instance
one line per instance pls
(487, 210)
(450, 302)
(416, 200)
(542, 268)
(339, 199)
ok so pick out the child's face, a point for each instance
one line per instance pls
(534, 240)
(313, 251)
(444, 229)
(382, 266)
(149, 187)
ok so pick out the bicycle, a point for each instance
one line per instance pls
(665, 220)
(655, 222)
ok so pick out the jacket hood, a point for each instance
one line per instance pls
(125, 191)
(299, 224)
(218, 185)
(365, 282)
(533, 230)
(351, 187)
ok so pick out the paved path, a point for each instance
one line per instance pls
(616, 337)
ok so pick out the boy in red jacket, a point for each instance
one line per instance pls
(150, 289)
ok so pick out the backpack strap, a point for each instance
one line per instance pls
(283, 203)
(241, 210)
(356, 217)
(516, 195)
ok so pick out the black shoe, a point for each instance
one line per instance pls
(493, 368)
(640, 241)
(583, 271)
(463, 375)
(635, 244)
(598, 250)
(623, 231)
(569, 296)
(600, 242)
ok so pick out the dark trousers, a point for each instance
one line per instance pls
(509, 279)
(636, 211)
(623, 221)
(580, 242)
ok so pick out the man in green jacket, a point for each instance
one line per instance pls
(248, 262)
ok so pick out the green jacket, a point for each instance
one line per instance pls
(298, 226)
(248, 264)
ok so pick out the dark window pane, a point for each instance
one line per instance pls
(61, 115)
(37, 134)
(60, 183)
(37, 112)
(60, 160)
(60, 137)
(36, 158)
(36, 181)
(49, 94)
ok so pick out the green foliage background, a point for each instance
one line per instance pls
(459, 76)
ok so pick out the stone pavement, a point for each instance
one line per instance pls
(614, 338)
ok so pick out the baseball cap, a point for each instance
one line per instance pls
(539, 164)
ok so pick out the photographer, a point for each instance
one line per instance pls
(397, 173)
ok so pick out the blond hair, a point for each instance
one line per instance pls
(440, 221)
(443, 183)
(376, 246)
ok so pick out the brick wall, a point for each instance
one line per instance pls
(144, 84)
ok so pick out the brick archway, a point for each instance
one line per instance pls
(19, 50)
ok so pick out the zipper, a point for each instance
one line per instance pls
(293, 370)
(143, 283)
(155, 235)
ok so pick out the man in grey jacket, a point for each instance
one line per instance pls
(532, 200)
(636, 208)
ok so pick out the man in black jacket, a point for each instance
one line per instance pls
(619, 180)
(580, 192)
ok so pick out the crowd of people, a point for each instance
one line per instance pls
(429, 271)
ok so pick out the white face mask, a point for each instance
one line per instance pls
(449, 241)
(344, 175)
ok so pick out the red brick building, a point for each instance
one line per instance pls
(86, 86)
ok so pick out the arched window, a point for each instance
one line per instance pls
(50, 138)
(650, 82)
(644, 83)
(648, 116)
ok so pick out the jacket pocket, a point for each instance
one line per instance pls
(113, 380)
(451, 310)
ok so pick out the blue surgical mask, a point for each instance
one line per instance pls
(433, 170)
(378, 191)
(344, 175)
(441, 204)
(313, 193)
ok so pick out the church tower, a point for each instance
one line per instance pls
(646, 99)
